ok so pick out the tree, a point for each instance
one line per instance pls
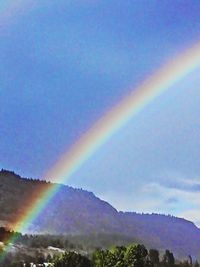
(99, 258)
(190, 260)
(168, 258)
(71, 259)
(154, 256)
(136, 256)
(196, 264)
(119, 253)
(109, 258)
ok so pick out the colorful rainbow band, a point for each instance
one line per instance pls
(105, 127)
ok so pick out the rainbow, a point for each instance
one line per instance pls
(105, 127)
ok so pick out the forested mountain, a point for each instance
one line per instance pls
(78, 212)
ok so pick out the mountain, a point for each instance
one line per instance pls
(78, 212)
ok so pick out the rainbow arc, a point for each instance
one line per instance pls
(118, 116)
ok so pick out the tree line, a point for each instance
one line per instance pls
(135, 255)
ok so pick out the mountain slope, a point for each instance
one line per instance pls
(78, 212)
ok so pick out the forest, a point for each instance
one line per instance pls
(74, 255)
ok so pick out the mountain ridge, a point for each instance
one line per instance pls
(79, 212)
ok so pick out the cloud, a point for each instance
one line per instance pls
(172, 200)
(172, 192)
(183, 186)
(178, 196)
(131, 202)
(176, 201)
(192, 215)
(177, 180)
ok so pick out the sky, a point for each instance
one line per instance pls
(65, 63)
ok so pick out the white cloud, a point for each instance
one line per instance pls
(192, 215)
(186, 204)
(161, 198)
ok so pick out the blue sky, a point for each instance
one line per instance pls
(64, 64)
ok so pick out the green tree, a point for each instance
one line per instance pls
(71, 259)
(109, 258)
(99, 258)
(135, 256)
(119, 253)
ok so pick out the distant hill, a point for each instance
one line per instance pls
(78, 212)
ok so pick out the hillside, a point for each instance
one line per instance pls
(78, 212)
